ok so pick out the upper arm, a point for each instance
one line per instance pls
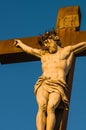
(36, 52)
(78, 47)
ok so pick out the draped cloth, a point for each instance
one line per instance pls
(53, 86)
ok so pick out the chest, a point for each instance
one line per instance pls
(56, 57)
(56, 60)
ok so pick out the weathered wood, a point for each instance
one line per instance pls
(67, 27)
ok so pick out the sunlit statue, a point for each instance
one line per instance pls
(51, 86)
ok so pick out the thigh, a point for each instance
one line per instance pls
(54, 99)
(42, 96)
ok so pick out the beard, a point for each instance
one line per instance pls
(52, 50)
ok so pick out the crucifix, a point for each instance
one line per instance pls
(67, 28)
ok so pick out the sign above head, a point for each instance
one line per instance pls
(68, 17)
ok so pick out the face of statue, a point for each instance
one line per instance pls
(50, 45)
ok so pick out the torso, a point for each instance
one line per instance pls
(56, 66)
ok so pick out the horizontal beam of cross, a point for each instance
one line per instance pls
(11, 54)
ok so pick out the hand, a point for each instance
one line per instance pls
(17, 43)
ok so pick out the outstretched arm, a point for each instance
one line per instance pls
(78, 47)
(27, 49)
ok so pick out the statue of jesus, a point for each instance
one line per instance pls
(51, 86)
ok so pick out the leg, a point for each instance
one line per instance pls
(42, 99)
(54, 100)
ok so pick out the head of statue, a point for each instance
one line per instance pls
(49, 35)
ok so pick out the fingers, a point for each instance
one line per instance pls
(16, 42)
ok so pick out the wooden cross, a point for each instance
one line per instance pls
(67, 27)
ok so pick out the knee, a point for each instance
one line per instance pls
(51, 108)
(43, 107)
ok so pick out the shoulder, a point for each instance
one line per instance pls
(39, 52)
(36, 52)
(67, 48)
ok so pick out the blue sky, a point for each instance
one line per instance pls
(25, 18)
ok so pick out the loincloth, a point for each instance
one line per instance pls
(53, 86)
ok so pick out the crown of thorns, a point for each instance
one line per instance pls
(48, 35)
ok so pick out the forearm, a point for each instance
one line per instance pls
(23, 46)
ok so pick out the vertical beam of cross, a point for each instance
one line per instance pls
(67, 27)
